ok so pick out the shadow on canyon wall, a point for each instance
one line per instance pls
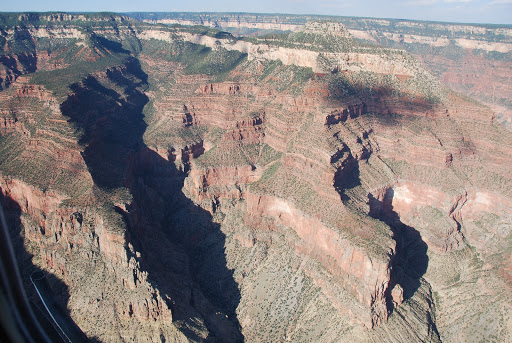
(181, 248)
(343, 90)
(15, 66)
(58, 290)
(410, 262)
(346, 178)
(356, 100)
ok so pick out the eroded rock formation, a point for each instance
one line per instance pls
(189, 186)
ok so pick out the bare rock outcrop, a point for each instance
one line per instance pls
(189, 186)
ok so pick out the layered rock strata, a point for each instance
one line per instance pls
(191, 192)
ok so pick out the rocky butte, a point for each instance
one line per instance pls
(181, 184)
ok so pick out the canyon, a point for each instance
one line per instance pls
(179, 183)
(472, 59)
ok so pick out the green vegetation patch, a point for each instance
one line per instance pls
(270, 172)
(268, 155)
(225, 155)
(216, 62)
(58, 81)
(197, 59)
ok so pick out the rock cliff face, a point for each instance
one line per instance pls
(188, 186)
(469, 58)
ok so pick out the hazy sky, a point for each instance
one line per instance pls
(469, 11)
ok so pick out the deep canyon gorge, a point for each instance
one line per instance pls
(180, 183)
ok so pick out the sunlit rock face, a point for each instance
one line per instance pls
(472, 59)
(183, 185)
